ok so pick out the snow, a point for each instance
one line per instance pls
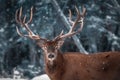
(41, 77)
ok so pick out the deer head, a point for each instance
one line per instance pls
(50, 47)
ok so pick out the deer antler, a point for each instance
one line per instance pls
(80, 19)
(25, 24)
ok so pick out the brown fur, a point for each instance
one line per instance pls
(76, 66)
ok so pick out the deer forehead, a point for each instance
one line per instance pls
(50, 45)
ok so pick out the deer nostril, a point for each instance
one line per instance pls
(51, 56)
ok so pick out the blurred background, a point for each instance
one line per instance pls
(101, 31)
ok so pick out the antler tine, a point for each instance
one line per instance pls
(80, 18)
(16, 18)
(23, 22)
(76, 21)
(20, 14)
(26, 23)
(31, 15)
(19, 20)
(24, 19)
(58, 37)
(84, 11)
(78, 12)
(20, 33)
(70, 17)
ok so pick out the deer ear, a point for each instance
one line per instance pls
(59, 44)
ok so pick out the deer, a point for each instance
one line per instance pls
(71, 65)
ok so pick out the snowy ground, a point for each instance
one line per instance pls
(11, 79)
(40, 77)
